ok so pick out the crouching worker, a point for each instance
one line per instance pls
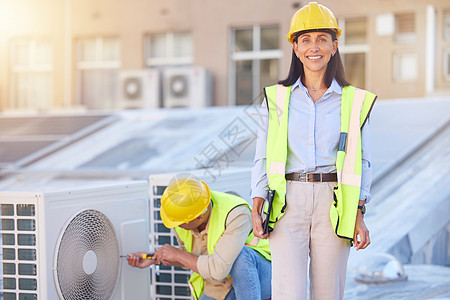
(214, 231)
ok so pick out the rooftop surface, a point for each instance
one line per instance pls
(409, 215)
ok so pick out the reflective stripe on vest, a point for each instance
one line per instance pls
(355, 108)
(277, 97)
(222, 205)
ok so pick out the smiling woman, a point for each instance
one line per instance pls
(312, 150)
(315, 49)
(320, 44)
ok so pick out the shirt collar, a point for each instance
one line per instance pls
(297, 84)
(334, 87)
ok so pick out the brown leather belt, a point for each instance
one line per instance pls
(312, 177)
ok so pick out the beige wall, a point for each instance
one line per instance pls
(210, 23)
(380, 62)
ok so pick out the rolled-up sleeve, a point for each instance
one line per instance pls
(366, 175)
(259, 175)
(217, 266)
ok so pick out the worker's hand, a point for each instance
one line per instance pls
(361, 231)
(168, 255)
(258, 204)
(136, 260)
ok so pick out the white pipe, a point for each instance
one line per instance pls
(68, 54)
(256, 68)
(430, 50)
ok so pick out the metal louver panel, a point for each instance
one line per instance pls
(168, 283)
(19, 251)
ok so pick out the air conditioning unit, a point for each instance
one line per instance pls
(172, 282)
(66, 244)
(139, 89)
(187, 87)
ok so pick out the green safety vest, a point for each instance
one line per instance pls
(355, 108)
(222, 205)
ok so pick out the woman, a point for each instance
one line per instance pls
(317, 162)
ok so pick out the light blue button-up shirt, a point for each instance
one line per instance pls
(313, 137)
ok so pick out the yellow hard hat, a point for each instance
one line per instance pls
(183, 201)
(310, 17)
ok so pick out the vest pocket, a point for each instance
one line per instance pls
(334, 216)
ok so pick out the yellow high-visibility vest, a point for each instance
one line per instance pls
(356, 105)
(222, 205)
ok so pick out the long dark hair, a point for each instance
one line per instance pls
(335, 68)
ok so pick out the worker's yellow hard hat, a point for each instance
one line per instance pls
(310, 17)
(183, 201)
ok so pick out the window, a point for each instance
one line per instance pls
(447, 64)
(31, 74)
(172, 48)
(405, 67)
(353, 47)
(355, 69)
(355, 31)
(98, 63)
(447, 25)
(254, 62)
(405, 28)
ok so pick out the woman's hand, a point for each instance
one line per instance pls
(361, 231)
(258, 204)
(136, 260)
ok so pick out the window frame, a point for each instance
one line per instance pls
(446, 25)
(32, 67)
(169, 59)
(408, 37)
(256, 55)
(99, 63)
(354, 48)
(446, 64)
(396, 56)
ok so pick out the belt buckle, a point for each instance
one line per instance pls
(302, 177)
(314, 177)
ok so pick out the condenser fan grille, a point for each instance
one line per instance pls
(87, 265)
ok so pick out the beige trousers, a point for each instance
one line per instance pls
(305, 229)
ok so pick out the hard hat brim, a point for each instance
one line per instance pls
(290, 35)
(168, 222)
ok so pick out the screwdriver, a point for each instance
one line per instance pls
(143, 256)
